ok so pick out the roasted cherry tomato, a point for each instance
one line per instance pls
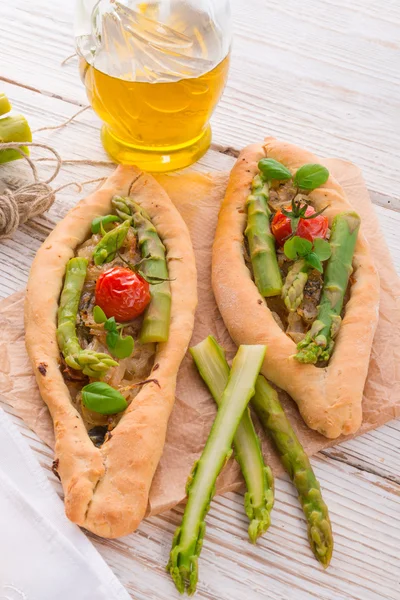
(307, 228)
(122, 294)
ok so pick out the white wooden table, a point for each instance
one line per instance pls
(324, 74)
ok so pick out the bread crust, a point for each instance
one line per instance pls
(330, 398)
(106, 489)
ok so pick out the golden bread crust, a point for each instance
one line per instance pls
(330, 398)
(106, 489)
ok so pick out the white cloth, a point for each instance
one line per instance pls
(43, 556)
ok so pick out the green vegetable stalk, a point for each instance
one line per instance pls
(297, 464)
(155, 327)
(319, 341)
(261, 241)
(110, 243)
(293, 288)
(188, 539)
(259, 499)
(13, 129)
(93, 364)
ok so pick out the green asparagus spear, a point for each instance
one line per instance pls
(259, 499)
(267, 275)
(5, 105)
(293, 288)
(297, 464)
(188, 539)
(110, 243)
(155, 327)
(319, 341)
(93, 364)
(14, 129)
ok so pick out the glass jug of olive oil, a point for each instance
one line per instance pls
(154, 72)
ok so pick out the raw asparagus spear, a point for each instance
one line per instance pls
(188, 538)
(293, 288)
(14, 129)
(259, 498)
(267, 275)
(319, 341)
(93, 364)
(155, 327)
(296, 462)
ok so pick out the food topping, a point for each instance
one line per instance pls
(119, 346)
(122, 293)
(97, 434)
(100, 224)
(319, 341)
(110, 243)
(287, 222)
(94, 364)
(155, 327)
(261, 242)
(287, 238)
(102, 398)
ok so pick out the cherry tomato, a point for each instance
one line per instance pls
(122, 294)
(307, 228)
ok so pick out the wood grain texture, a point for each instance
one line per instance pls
(323, 74)
(366, 564)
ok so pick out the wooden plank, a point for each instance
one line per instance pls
(323, 76)
(366, 563)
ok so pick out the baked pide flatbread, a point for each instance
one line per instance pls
(109, 314)
(314, 303)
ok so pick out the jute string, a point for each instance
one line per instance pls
(33, 199)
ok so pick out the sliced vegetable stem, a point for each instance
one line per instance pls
(14, 129)
(5, 105)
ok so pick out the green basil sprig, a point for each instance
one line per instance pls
(313, 253)
(311, 176)
(99, 224)
(120, 347)
(102, 398)
(272, 169)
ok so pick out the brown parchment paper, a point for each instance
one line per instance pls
(198, 196)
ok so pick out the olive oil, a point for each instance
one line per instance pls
(154, 72)
(157, 125)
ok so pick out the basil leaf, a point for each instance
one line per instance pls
(301, 245)
(110, 324)
(112, 339)
(124, 347)
(272, 169)
(311, 176)
(102, 398)
(289, 249)
(313, 260)
(99, 315)
(99, 222)
(322, 249)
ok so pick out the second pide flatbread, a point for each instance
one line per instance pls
(329, 394)
(138, 266)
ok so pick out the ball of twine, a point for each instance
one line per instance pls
(27, 201)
